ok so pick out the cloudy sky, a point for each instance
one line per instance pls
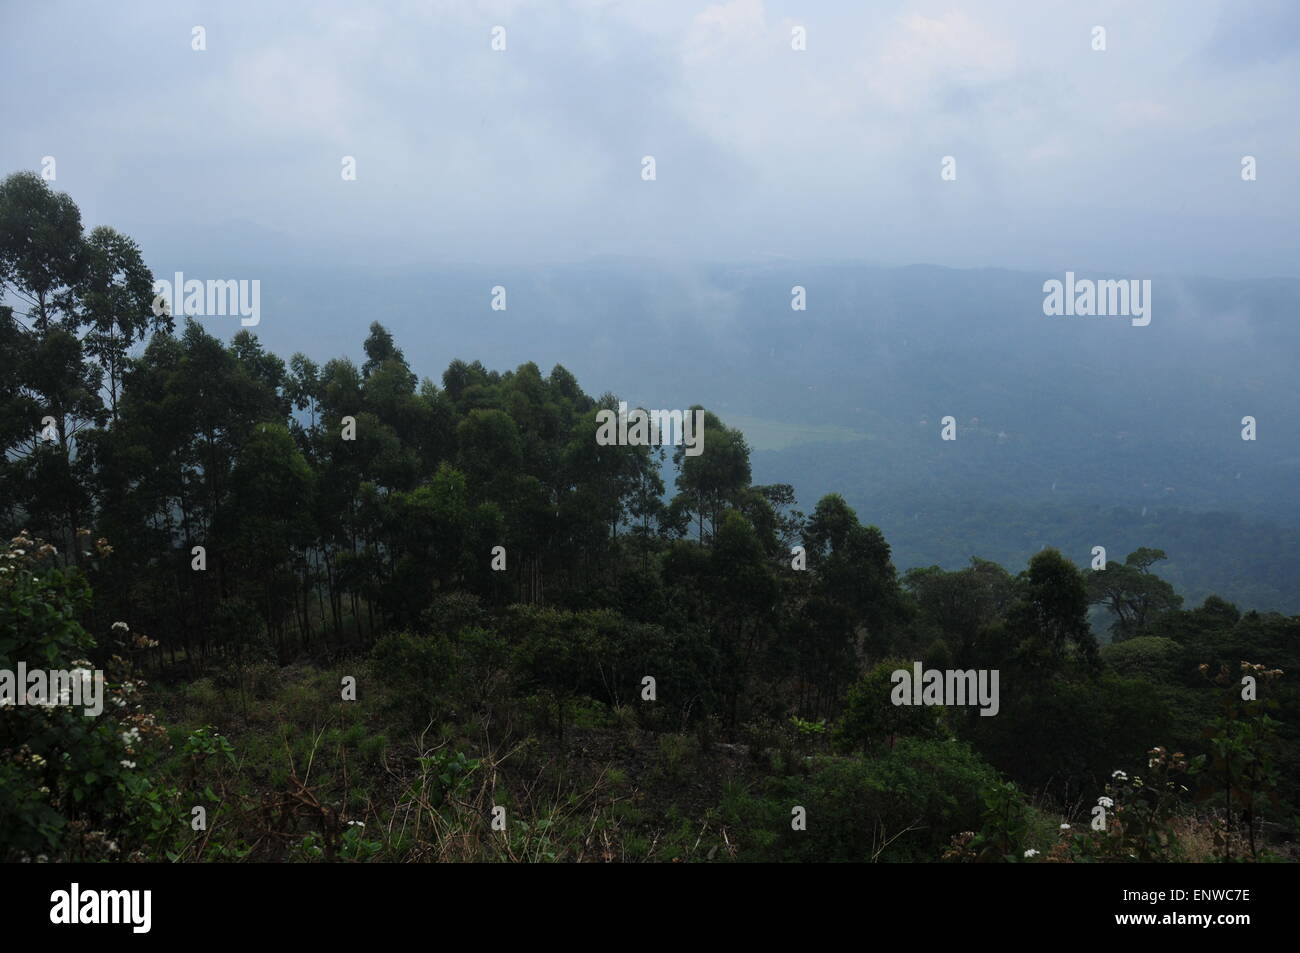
(1127, 159)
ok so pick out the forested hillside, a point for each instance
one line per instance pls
(1071, 434)
(352, 612)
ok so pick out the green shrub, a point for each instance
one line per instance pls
(903, 805)
(66, 777)
(415, 671)
(871, 719)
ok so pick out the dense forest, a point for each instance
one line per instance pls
(1070, 435)
(347, 612)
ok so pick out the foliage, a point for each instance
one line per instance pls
(73, 783)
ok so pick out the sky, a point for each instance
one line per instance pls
(1126, 159)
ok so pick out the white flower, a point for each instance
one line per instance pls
(1105, 801)
(356, 823)
(121, 627)
(1120, 776)
(1031, 853)
(1065, 827)
(127, 764)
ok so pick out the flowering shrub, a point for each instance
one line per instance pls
(67, 777)
(1137, 814)
(1243, 743)
(1004, 823)
(1132, 821)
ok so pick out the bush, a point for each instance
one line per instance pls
(415, 671)
(67, 777)
(871, 719)
(901, 806)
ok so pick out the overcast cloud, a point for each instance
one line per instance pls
(1126, 160)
